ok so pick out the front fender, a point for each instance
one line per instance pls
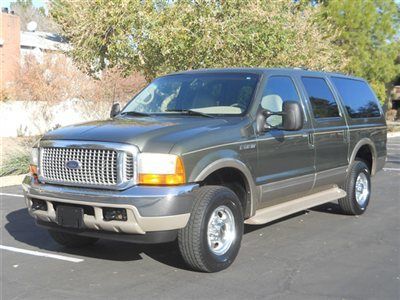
(221, 159)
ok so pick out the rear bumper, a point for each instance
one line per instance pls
(149, 209)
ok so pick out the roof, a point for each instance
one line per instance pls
(300, 71)
(43, 40)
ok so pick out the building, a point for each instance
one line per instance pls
(15, 44)
(9, 47)
(37, 43)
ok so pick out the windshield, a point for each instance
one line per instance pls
(221, 94)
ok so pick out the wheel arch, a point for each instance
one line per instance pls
(232, 163)
(365, 143)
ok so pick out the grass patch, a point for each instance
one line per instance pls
(16, 164)
(393, 126)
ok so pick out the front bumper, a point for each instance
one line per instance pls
(149, 209)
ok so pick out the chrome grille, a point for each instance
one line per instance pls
(96, 166)
(129, 167)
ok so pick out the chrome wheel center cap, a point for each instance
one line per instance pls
(221, 231)
(362, 189)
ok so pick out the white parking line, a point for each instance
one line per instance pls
(393, 161)
(12, 195)
(37, 253)
(391, 169)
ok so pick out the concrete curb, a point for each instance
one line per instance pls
(11, 180)
(393, 134)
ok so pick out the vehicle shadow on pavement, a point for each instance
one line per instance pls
(329, 208)
(251, 228)
(21, 226)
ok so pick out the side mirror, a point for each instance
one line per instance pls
(115, 110)
(290, 118)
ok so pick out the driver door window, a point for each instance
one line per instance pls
(278, 90)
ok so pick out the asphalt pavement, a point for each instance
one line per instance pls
(316, 254)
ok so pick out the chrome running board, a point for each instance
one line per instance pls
(278, 211)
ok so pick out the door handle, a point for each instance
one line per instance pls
(310, 138)
(346, 136)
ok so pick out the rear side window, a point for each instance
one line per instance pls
(358, 98)
(321, 97)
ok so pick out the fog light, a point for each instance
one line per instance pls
(39, 204)
(114, 214)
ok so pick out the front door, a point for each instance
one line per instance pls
(285, 158)
(331, 131)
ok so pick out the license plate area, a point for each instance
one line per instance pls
(70, 216)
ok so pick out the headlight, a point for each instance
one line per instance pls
(34, 161)
(160, 169)
(35, 156)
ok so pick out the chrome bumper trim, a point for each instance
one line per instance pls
(134, 200)
(135, 224)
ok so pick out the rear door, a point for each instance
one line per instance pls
(330, 131)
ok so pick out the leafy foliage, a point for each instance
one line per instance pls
(367, 33)
(162, 36)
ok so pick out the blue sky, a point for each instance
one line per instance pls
(36, 3)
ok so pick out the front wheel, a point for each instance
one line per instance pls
(211, 240)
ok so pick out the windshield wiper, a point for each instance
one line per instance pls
(134, 113)
(190, 112)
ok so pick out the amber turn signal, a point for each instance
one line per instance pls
(33, 169)
(176, 178)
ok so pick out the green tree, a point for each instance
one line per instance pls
(161, 36)
(368, 33)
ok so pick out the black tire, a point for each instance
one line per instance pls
(71, 240)
(193, 240)
(349, 204)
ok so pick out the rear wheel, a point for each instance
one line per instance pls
(211, 240)
(71, 240)
(358, 188)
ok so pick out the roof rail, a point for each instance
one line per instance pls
(301, 68)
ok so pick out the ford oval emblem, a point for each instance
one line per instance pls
(73, 164)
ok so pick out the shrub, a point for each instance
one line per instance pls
(54, 78)
(391, 115)
(17, 164)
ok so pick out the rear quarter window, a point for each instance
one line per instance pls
(358, 98)
(320, 95)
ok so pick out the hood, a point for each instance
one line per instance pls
(156, 134)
